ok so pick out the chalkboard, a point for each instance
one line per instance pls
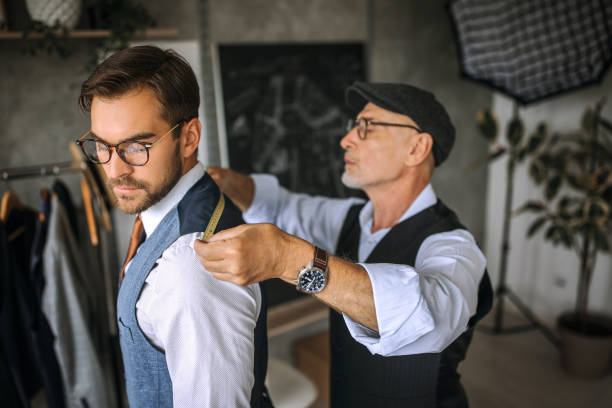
(285, 114)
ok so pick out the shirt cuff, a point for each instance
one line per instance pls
(402, 313)
(265, 201)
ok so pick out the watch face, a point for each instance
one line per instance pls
(312, 280)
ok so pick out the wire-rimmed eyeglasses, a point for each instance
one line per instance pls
(132, 152)
(362, 126)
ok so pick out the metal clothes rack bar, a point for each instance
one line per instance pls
(41, 170)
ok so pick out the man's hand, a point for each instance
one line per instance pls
(239, 187)
(252, 253)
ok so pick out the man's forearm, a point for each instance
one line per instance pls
(348, 289)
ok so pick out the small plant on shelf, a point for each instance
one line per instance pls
(122, 18)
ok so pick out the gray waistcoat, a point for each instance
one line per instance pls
(148, 381)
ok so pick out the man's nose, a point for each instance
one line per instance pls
(116, 167)
(350, 140)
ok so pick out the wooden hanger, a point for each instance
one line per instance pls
(10, 202)
(96, 184)
(89, 212)
(45, 194)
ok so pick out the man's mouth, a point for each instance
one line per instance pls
(124, 189)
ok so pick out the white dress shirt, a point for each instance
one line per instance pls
(420, 308)
(204, 326)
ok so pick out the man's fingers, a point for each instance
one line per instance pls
(228, 233)
(214, 172)
(222, 270)
(211, 251)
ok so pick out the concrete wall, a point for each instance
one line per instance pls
(413, 43)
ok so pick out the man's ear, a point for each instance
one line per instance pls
(420, 148)
(190, 137)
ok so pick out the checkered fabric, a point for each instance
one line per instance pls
(532, 49)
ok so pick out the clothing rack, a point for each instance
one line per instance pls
(41, 170)
(80, 166)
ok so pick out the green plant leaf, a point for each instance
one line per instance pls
(537, 171)
(537, 138)
(552, 234)
(536, 225)
(531, 206)
(496, 155)
(565, 236)
(552, 187)
(563, 203)
(597, 211)
(515, 131)
(487, 124)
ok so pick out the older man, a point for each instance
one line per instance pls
(404, 315)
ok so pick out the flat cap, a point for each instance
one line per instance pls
(421, 106)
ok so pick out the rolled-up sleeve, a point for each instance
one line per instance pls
(423, 309)
(313, 218)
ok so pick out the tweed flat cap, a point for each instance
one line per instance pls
(421, 106)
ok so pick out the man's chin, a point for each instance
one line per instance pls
(351, 182)
(129, 205)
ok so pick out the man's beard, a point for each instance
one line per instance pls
(349, 182)
(130, 205)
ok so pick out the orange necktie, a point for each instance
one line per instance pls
(137, 231)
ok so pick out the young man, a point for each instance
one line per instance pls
(404, 315)
(187, 339)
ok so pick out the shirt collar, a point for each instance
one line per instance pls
(153, 215)
(425, 199)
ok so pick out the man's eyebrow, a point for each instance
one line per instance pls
(133, 138)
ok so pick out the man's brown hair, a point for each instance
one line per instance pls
(165, 72)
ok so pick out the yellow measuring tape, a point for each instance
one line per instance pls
(214, 219)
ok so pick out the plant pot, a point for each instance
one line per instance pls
(586, 347)
(64, 12)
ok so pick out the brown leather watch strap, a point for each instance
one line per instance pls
(320, 259)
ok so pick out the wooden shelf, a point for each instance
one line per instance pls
(150, 33)
(296, 313)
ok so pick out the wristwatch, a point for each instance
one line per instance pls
(312, 278)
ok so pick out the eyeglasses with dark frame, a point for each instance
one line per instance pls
(131, 152)
(362, 126)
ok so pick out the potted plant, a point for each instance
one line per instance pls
(575, 170)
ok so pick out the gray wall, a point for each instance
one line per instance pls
(413, 43)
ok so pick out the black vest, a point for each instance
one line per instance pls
(360, 379)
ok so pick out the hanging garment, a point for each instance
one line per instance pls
(18, 308)
(41, 331)
(69, 302)
(10, 393)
